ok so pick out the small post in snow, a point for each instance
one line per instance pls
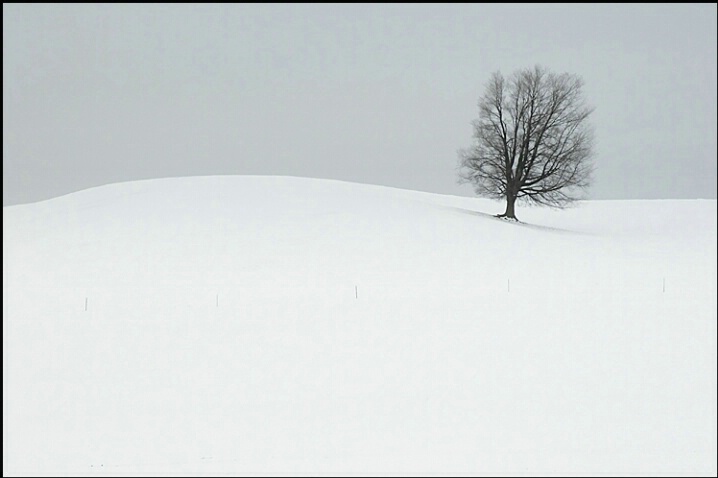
(508, 285)
(356, 292)
(85, 304)
(664, 284)
(217, 301)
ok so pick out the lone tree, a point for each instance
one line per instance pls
(532, 141)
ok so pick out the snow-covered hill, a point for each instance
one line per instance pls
(252, 325)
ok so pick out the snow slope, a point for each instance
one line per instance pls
(248, 325)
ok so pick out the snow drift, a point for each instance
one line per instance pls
(273, 325)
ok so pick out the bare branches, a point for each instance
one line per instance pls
(532, 140)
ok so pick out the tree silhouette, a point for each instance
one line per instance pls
(532, 140)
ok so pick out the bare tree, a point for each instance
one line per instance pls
(532, 141)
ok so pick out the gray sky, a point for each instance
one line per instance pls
(380, 94)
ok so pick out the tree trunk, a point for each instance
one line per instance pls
(510, 207)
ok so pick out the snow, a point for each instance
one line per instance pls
(250, 325)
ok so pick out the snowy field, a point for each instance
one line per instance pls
(248, 325)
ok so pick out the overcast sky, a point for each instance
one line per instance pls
(380, 94)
